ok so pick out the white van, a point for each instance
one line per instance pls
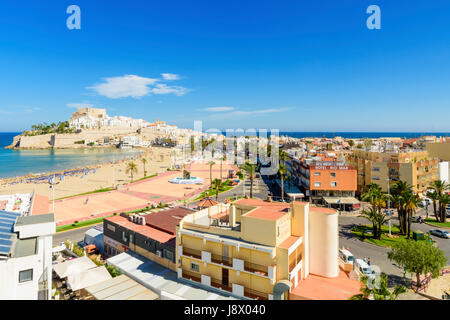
(346, 260)
(363, 269)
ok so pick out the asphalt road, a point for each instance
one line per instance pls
(378, 255)
(74, 235)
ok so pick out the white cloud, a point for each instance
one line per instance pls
(162, 88)
(218, 109)
(244, 113)
(125, 86)
(32, 109)
(170, 76)
(78, 105)
(136, 87)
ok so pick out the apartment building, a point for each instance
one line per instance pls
(26, 256)
(151, 235)
(326, 180)
(415, 167)
(439, 149)
(257, 249)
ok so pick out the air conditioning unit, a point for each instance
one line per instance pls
(159, 253)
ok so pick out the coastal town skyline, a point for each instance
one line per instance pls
(262, 66)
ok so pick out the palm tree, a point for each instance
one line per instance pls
(380, 292)
(217, 185)
(401, 193)
(131, 168)
(250, 169)
(211, 163)
(221, 161)
(444, 200)
(439, 187)
(144, 161)
(411, 201)
(434, 196)
(282, 171)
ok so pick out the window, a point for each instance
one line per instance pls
(168, 254)
(111, 227)
(195, 267)
(317, 173)
(316, 184)
(375, 169)
(25, 275)
(333, 174)
(375, 178)
(333, 184)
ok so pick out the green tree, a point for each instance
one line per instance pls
(250, 169)
(433, 196)
(351, 143)
(377, 218)
(217, 186)
(419, 257)
(283, 172)
(144, 161)
(378, 292)
(211, 163)
(131, 168)
(444, 200)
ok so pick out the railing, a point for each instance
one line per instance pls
(227, 261)
(255, 294)
(256, 268)
(216, 283)
(194, 276)
(192, 253)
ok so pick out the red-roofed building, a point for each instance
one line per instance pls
(151, 235)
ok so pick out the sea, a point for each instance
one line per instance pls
(23, 162)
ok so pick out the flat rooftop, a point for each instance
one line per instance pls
(25, 247)
(161, 280)
(37, 219)
(264, 209)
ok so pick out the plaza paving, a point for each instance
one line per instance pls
(136, 195)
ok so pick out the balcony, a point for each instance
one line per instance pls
(193, 276)
(197, 254)
(255, 268)
(255, 294)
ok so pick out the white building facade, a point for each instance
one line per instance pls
(26, 256)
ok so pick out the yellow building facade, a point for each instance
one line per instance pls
(417, 168)
(256, 249)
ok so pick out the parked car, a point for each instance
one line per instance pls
(440, 233)
(415, 219)
(363, 268)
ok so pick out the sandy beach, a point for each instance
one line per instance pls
(158, 160)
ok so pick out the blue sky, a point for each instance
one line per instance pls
(291, 65)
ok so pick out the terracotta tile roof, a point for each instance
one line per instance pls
(206, 203)
(167, 220)
(322, 210)
(149, 232)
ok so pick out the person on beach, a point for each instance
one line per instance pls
(87, 200)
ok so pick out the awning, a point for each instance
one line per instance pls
(87, 278)
(341, 200)
(121, 288)
(73, 266)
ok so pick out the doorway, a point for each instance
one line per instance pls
(225, 277)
